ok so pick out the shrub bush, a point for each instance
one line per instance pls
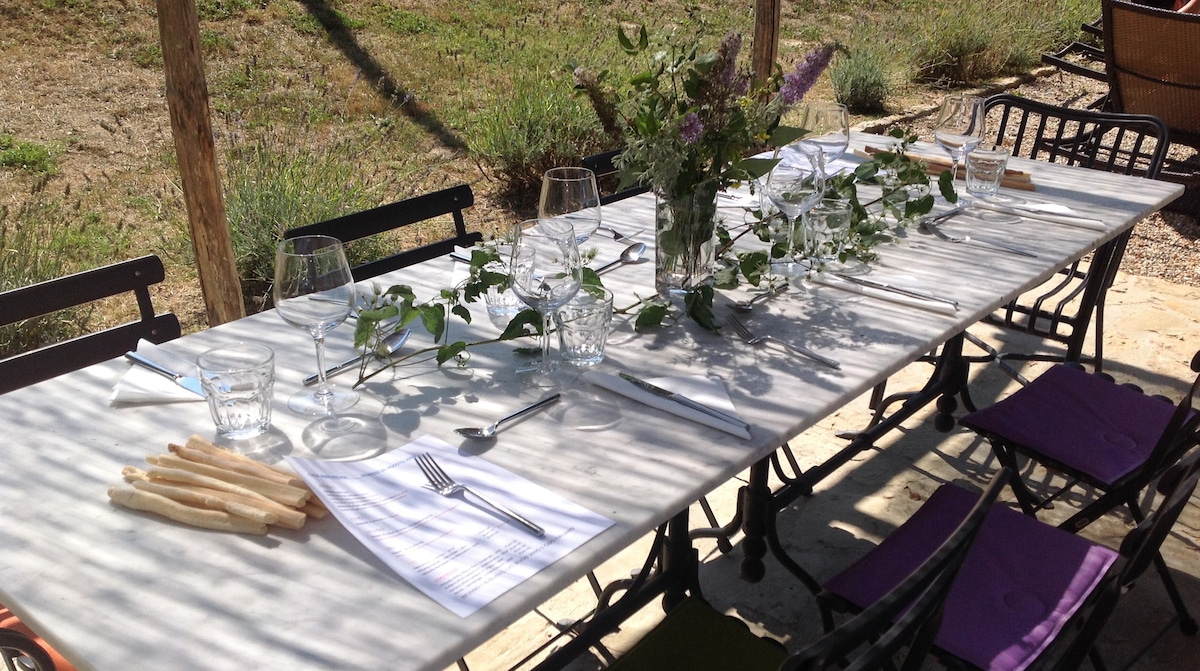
(861, 80)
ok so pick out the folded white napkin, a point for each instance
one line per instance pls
(839, 283)
(707, 391)
(1058, 214)
(139, 385)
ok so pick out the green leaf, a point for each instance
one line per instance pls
(462, 313)
(433, 317)
(516, 327)
(946, 186)
(757, 167)
(698, 305)
(448, 352)
(785, 135)
(651, 316)
(626, 43)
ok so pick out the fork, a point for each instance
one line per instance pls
(939, 233)
(446, 486)
(749, 338)
(617, 235)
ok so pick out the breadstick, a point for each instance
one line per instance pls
(214, 501)
(314, 508)
(197, 517)
(197, 442)
(285, 494)
(288, 517)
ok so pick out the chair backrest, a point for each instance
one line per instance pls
(1122, 143)
(1131, 144)
(606, 177)
(908, 616)
(1153, 65)
(44, 298)
(1139, 549)
(1179, 434)
(388, 217)
(15, 645)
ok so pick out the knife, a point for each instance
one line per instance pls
(911, 293)
(192, 384)
(685, 401)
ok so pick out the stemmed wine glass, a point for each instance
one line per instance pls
(314, 291)
(959, 128)
(546, 271)
(794, 187)
(828, 126)
(571, 193)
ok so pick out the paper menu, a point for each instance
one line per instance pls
(455, 549)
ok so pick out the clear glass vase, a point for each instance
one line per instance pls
(685, 232)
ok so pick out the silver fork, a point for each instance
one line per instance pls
(446, 486)
(617, 235)
(939, 233)
(750, 339)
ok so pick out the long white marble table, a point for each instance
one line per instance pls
(110, 588)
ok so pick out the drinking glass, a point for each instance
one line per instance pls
(959, 127)
(314, 291)
(795, 185)
(571, 194)
(828, 126)
(546, 272)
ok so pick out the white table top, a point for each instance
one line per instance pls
(110, 588)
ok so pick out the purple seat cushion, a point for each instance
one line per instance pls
(1097, 428)
(1021, 582)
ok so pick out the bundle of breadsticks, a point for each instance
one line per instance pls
(209, 486)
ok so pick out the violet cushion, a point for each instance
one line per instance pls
(1021, 582)
(1082, 421)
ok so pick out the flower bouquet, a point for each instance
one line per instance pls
(690, 122)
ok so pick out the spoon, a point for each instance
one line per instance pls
(490, 430)
(386, 349)
(631, 254)
(747, 306)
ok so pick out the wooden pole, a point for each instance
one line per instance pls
(766, 38)
(191, 126)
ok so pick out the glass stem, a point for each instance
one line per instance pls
(546, 321)
(322, 394)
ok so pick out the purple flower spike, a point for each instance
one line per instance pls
(691, 128)
(796, 84)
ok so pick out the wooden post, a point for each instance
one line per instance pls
(191, 126)
(766, 38)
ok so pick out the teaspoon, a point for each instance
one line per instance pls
(631, 254)
(490, 430)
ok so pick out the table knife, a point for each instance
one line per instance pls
(192, 384)
(911, 293)
(685, 401)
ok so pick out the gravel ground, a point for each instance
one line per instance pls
(1166, 245)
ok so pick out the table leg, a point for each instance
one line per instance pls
(754, 499)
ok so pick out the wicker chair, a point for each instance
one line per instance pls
(1153, 65)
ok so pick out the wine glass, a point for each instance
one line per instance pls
(546, 271)
(794, 187)
(314, 291)
(828, 126)
(571, 193)
(959, 127)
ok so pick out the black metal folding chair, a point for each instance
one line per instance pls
(1110, 440)
(695, 636)
(46, 298)
(1028, 595)
(384, 218)
(606, 176)
(1062, 310)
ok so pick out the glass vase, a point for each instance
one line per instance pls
(685, 232)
